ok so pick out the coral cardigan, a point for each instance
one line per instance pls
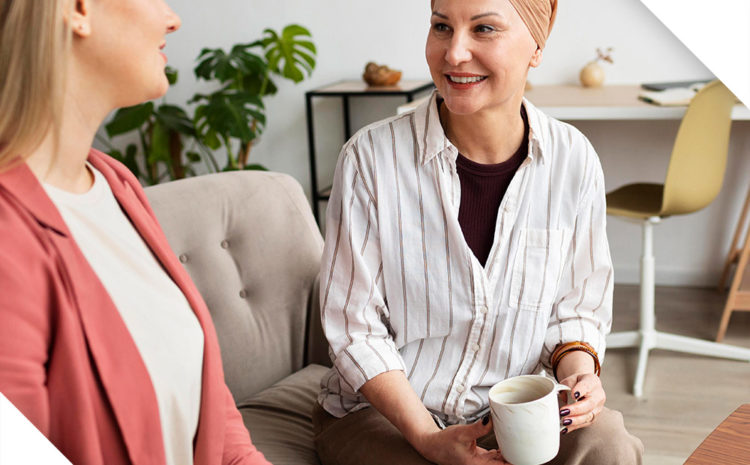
(67, 360)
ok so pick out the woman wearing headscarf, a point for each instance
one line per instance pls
(466, 244)
(106, 346)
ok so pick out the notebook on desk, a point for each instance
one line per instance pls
(656, 86)
(674, 96)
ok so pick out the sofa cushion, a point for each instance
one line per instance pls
(280, 418)
(251, 245)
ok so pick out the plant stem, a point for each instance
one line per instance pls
(230, 155)
(245, 151)
(264, 85)
(144, 148)
(175, 154)
(209, 156)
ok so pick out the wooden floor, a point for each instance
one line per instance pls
(685, 397)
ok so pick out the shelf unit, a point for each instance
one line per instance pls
(346, 90)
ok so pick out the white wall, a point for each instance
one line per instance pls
(689, 250)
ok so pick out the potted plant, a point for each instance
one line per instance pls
(162, 133)
(232, 116)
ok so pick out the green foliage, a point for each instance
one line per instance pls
(287, 54)
(162, 131)
(233, 116)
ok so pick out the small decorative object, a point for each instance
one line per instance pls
(379, 76)
(592, 75)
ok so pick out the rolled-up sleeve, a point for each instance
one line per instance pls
(353, 309)
(583, 309)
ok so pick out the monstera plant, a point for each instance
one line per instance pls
(162, 134)
(231, 117)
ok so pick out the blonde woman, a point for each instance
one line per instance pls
(466, 244)
(105, 344)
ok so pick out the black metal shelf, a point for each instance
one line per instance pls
(345, 90)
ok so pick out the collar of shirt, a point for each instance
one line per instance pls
(432, 140)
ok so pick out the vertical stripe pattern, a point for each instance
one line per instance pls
(401, 290)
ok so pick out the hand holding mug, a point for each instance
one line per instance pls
(586, 400)
(525, 414)
(457, 445)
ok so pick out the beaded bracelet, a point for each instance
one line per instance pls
(564, 349)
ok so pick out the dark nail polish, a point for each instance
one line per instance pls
(564, 412)
(567, 422)
(564, 431)
(486, 419)
(577, 395)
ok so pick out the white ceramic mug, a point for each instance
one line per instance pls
(526, 418)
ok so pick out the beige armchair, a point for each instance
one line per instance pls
(249, 241)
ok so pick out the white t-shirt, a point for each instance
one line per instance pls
(155, 311)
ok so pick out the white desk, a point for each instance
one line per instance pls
(573, 102)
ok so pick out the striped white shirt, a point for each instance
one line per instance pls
(401, 289)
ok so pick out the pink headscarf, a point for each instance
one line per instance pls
(538, 15)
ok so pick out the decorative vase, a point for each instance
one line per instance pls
(592, 75)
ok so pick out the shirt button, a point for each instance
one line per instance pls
(224, 244)
(243, 294)
(460, 388)
(475, 348)
(184, 258)
(484, 310)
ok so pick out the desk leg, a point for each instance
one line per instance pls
(313, 167)
(734, 251)
(347, 119)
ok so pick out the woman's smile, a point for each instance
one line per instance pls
(479, 53)
(462, 81)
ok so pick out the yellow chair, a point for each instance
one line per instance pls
(694, 178)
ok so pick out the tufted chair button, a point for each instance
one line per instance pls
(225, 244)
(243, 294)
(184, 258)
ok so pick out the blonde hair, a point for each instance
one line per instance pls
(34, 44)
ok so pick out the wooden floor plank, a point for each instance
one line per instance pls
(685, 397)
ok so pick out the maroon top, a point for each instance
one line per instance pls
(482, 189)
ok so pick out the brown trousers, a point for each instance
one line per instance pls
(368, 438)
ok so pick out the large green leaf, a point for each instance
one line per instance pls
(130, 159)
(129, 119)
(255, 167)
(175, 119)
(159, 144)
(172, 75)
(253, 83)
(117, 155)
(230, 67)
(290, 54)
(228, 113)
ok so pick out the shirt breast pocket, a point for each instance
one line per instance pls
(536, 268)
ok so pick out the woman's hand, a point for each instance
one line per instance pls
(588, 397)
(457, 445)
(392, 395)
